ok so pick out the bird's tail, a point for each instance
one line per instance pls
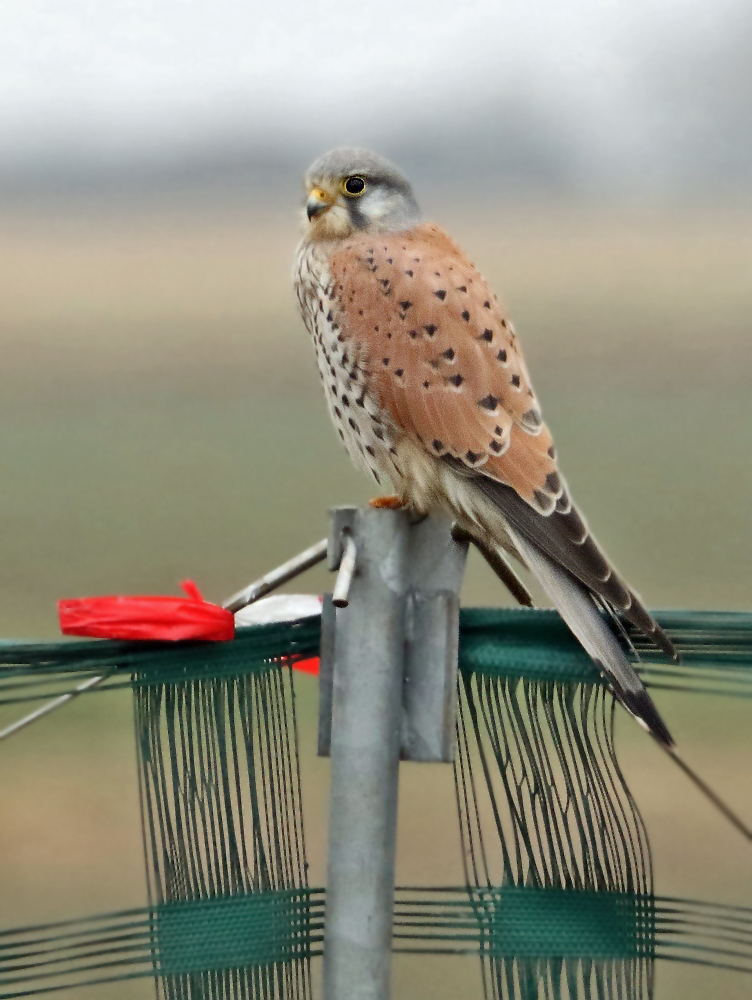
(578, 609)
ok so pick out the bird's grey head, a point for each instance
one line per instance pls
(355, 190)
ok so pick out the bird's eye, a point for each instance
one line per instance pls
(354, 186)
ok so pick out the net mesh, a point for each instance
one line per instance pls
(221, 801)
(715, 648)
(559, 897)
(212, 937)
(543, 805)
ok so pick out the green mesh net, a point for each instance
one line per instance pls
(542, 933)
(715, 648)
(223, 825)
(543, 806)
(559, 896)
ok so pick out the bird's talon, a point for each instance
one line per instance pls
(387, 503)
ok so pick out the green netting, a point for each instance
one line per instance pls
(29, 671)
(520, 921)
(247, 936)
(715, 648)
(222, 811)
(545, 814)
(558, 901)
(520, 643)
(236, 932)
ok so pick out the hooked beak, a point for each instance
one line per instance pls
(318, 202)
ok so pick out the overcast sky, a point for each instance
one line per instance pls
(151, 75)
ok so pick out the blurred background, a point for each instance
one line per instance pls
(160, 413)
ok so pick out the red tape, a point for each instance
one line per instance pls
(168, 618)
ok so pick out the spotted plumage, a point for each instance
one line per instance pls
(428, 389)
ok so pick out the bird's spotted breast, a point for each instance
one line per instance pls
(344, 368)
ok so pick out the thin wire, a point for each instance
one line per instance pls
(52, 706)
(276, 577)
(707, 791)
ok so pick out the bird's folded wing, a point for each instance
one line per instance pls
(442, 355)
(445, 364)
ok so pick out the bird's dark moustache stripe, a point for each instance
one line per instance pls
(357, 219)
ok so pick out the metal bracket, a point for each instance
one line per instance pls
(326, 674)
(435, 567)
(429, 582)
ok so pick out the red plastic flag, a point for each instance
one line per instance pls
(170, 618)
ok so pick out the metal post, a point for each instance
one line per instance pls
(436, 566)
(365, 749)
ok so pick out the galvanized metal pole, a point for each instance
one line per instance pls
(365, 750)
(436, 565)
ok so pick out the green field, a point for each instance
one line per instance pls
(161, 418)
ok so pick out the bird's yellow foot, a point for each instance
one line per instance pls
(387, 503)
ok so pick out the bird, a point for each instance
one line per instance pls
(428, 389)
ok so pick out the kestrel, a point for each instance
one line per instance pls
(428, 389)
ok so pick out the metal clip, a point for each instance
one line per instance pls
(346, 572)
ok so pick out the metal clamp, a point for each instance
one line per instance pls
(346, 572)
(428, 581)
